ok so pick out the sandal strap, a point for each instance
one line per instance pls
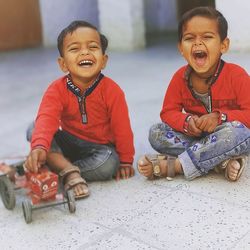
(224, 166)
(75, 181)
(171, 167)
(154, 160)
(65, 172)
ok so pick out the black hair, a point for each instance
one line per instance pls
(208, 12)
(72, 27)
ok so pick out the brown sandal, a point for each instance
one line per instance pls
(74, 181)
(223, 167)
(154, 159)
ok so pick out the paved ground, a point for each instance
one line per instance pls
(207, 213)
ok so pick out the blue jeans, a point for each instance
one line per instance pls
(96, 162)
(200, 155)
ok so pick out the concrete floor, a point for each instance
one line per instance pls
(207, 213)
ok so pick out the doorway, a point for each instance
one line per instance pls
(183, 5)
(20, 24)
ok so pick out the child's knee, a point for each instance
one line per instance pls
(156, 134)
(233, 131)
(107, 163)
(109, 168)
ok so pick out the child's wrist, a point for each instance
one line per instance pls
(39, 147)
(186, 123)
(222, 117)
(125, 165)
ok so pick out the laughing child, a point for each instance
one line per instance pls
(206, 110)
(82, 129)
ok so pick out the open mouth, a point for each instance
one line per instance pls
(86, 63)
(200, 57)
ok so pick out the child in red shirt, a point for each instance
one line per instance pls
(206, 110)
(82, 129)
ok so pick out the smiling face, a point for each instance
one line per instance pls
(82, 56)
(201, 45)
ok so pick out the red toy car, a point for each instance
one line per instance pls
(42, 187)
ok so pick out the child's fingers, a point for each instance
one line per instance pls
(29, 164)
(126, 173)
(123, 173)
(132, 172)
(34, 164)
(118, 175)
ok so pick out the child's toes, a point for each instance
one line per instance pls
(234, 167)
(142, 162)
(144, 167)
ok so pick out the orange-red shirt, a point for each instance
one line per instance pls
(107, 116)
(229, 95)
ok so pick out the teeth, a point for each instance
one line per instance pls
(86, 62)
(198, 52)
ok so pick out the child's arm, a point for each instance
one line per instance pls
(46, 124)
(241, 110)
(121, 129)
(233, 96)
(172, 108)
(49, 115)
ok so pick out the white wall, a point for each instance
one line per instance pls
(122, 21)
(57, 14)
(237, 14)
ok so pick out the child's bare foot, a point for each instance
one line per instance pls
(233, 168)
(158, 165)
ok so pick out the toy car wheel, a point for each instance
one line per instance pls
(71, 201)
(7, 193)
(27, 211)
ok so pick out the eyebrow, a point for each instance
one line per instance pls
(206, 32)
(74, 43)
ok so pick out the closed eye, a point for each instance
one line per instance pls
(73, 49)
(94, 46)
(208, 37)
(188, 38)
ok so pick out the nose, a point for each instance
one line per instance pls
(197, 41)
(84, 51)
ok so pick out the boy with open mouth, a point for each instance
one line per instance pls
(206, 110)
(82, 129)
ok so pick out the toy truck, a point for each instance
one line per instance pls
(42, 189)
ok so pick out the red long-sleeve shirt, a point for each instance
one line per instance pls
(229, 94)
(107, 117)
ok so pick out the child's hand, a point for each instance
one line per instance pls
(35, 159)
(193, 130)
(125, 171)
(208, 122)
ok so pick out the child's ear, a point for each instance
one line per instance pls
(62, 64)
(105, 60)
(225, 45)
(180, 48)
